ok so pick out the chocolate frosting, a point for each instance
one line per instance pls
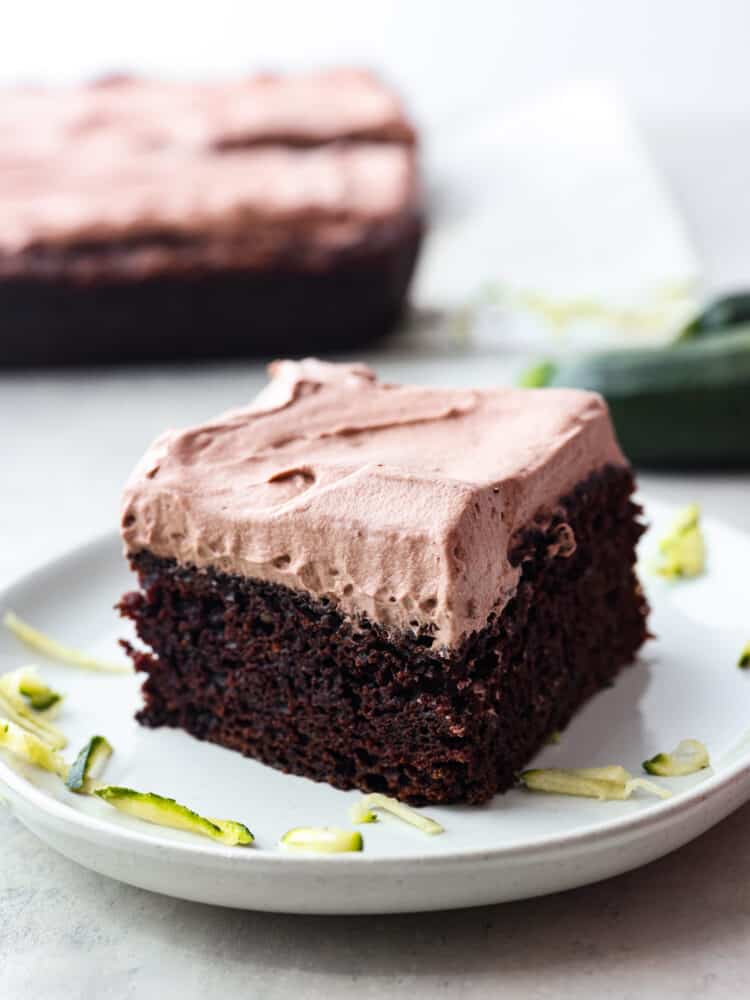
(396, 502)
(239, 169)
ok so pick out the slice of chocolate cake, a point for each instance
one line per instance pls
(154, 220)
(393, 588)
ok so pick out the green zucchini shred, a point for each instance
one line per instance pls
(14, 707)
(687, 757)
(162, 811)
(610, 772)
(603, 783)
(744, 661)
(376, 800)
(42, 702)
(89, 764)
(28, 747)
(233, 833)
(537, 375)
(560, 781)
(648, 786)
(39, 696)
(682, 550)
(55, 650)
(359, 813)
(322, 840)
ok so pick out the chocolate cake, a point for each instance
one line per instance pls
(154, 220)
(393, 588)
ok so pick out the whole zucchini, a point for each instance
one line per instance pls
(682, 406)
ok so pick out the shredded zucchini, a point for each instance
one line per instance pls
(359, 813)
(162, 811)
(30, 748)
(603, 783)
(233, 833)
(13, 706)
(375, 800)
(39, 696)
(744, 660)
(683, 551)
(572, 782)
(89, 765)
(322, 840)
(537, 375)
(687, 757)
(648, 786)
(57, 651)
(610, 772)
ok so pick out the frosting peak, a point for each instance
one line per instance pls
(289, 379)
(397, 502)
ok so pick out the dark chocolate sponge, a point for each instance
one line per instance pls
(278, 676)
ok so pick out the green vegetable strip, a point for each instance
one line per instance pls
(89, 764)
(40, 697)
(538, 375)
(359, 813)
(14, 707)
(30, 748)
(403, 812)
(603, 783)
(234, 834)
(161, 811)
(682, 550)
(57, 651)
(322, 840)
(687, 757)
(566, 782)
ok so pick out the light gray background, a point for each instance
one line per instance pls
(677, 928)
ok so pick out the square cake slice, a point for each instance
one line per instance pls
(395, 588)
(135, 215)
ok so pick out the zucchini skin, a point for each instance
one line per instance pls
(729, 310)
(683, 406)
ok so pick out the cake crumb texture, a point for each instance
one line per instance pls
(287, 678)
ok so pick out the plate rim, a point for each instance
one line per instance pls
(650, 817)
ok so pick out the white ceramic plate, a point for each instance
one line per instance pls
(686, 685)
